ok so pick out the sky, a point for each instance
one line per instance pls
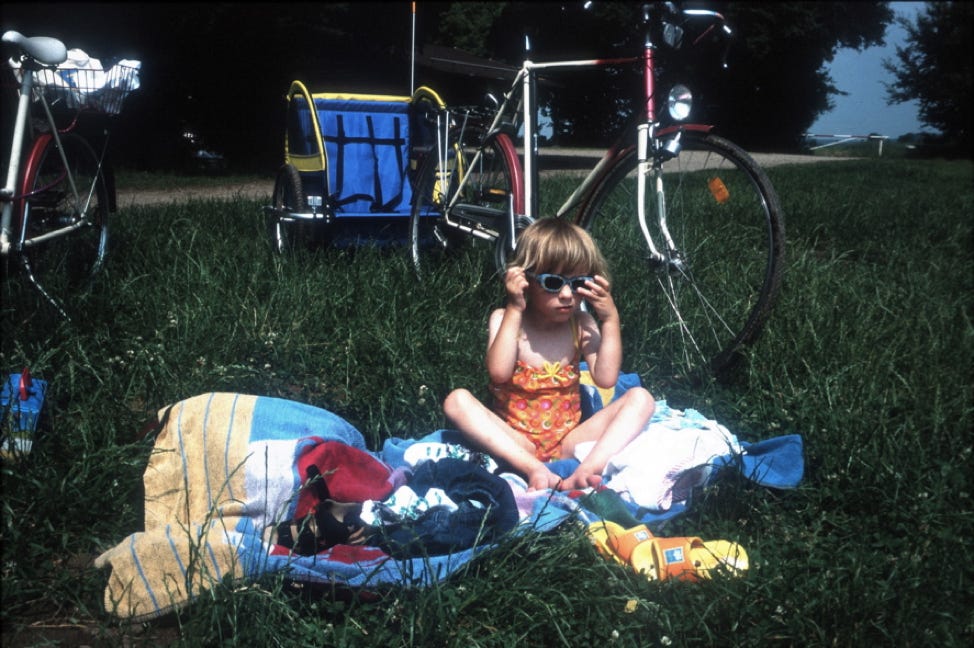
(861, 74)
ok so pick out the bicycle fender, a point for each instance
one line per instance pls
(701, 128)
(31, 163)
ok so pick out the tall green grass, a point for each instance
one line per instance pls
(868, 356)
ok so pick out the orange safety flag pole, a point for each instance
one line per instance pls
(412, 55)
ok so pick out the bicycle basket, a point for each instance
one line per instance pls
(91, 89)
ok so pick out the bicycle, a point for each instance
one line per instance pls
(708, 263)
(58, 191)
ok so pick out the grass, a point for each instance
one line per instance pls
(868, 356)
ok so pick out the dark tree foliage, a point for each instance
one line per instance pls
(934, 68)
(225, 67)
(776, 85)
(773, 89)
(233, 63)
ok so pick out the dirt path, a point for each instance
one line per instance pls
(250, 190)
(261, 189)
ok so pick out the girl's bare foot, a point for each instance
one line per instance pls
(542, 478)
(581, 479)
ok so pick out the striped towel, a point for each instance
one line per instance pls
(224, 468)
(227, 467)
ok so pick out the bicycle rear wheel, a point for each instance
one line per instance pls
(59, 196)
(483, 206)
(710, 297)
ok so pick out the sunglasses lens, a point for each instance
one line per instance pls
(579, 282)
(551, 282)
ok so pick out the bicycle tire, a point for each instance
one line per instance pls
(490, 188)
(288, 196)
(699, 309)
(64, 265)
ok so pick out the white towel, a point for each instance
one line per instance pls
(668, 459)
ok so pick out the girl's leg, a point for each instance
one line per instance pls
(488, 432)
(612, 428)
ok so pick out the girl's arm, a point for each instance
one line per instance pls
(504, 328)
(602, 347)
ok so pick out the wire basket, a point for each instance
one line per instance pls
(90, 90)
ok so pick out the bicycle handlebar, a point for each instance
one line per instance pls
(724, 27)
(43, 49)
(661, 10)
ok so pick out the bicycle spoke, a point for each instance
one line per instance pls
(67, 215)
(473, 230)
(711, 295)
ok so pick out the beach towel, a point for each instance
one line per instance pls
(225, 469)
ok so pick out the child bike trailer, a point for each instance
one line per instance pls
(349, 165)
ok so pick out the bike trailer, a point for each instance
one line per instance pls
(349, 161)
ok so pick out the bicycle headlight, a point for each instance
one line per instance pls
(679, 102)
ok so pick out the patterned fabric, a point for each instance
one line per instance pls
(543, 404)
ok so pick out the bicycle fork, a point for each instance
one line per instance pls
(649, 169)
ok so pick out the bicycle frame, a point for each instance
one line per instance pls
(652, 149)
(57, 194)
(709, 276)
(14, 196)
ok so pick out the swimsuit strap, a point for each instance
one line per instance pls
(575, 336)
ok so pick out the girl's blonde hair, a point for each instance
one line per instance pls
(556, 245)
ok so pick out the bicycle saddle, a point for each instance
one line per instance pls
(43, 49)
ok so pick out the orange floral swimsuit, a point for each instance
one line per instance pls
(544, 404)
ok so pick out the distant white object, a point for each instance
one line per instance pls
(842, 139)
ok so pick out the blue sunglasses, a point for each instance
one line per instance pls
(555, 282)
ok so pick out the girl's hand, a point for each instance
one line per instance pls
(598, 294)
(516, 284)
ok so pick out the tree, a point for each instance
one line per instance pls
(934, 68)
(774, 88)
(463, 25)
(777, 83)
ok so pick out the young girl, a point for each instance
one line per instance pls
(534, 346)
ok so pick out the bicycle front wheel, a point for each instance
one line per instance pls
(68, 195)
(709, 295)
(474, 235)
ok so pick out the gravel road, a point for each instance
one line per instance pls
(261, 189)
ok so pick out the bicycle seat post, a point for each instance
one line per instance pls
(16, 149)
(532, 177)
